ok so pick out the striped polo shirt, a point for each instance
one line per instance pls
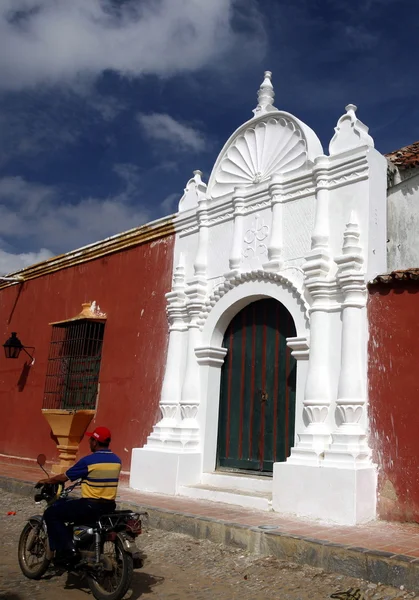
(100, 474)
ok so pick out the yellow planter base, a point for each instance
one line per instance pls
(69, 428)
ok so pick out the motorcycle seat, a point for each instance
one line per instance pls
(118, 513)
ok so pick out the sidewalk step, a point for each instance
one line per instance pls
(238, 481)
(245, 498)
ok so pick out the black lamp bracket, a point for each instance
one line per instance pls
(30, 356)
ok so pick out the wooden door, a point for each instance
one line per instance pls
(257, 397)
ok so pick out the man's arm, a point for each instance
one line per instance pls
(77, 471)
(61, 478)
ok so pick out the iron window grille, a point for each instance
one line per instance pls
(75, 354)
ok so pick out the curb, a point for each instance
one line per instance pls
(371, 565)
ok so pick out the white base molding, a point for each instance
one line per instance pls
(244, 499)
(333, 494)
(164, 472)
(232, 488)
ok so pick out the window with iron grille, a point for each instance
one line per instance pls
(73, 365)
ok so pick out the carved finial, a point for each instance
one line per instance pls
(350, 133)
(194, 191)
(351, 237)
(266, 96)
(179, 275)
(197, 176)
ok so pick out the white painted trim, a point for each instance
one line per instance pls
(18, 458)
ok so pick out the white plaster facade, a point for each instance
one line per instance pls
(278, 219)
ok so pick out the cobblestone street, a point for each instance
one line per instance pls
(178, 567)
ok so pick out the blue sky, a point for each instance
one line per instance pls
(106, 107)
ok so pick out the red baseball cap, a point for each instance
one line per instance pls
(101, 434)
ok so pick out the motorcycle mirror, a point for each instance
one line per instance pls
(41, 459)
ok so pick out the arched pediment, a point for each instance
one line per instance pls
(275, 142)
(272, 142)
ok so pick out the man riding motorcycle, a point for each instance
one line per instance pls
(99, 472)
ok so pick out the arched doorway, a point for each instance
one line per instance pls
(257, 396)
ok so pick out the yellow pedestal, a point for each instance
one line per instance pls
(69, 428)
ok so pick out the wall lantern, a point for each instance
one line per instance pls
(13, 347)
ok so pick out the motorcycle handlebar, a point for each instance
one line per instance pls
(55, 489)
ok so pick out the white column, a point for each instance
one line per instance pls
(275, 257)
(320, 252)
(201, 258)
(237, 242)
(195, 292)
(316, 437)
(349, 442)
(190, 398)
(210, 360)
(164, 431)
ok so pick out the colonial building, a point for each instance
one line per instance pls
(257, 390)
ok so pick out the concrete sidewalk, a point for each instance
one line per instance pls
(378, 551)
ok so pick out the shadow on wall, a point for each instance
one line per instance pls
(19, 291)
(395, 288)
(23, 376)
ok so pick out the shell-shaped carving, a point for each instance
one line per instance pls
(274, 145)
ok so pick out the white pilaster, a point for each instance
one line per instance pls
(195, 292)
(164, 431)
(238, 232)
(201, 258)
(276, 262)
(318, 262)
(190, 397)
(349, 442)
(313, 441)
(210, 360)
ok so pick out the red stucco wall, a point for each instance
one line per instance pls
(394, 397)
(129, 287)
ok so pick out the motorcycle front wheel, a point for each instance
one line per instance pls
(112, 585)
(32, 550)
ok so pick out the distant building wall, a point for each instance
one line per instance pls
(403, 221)
(394, 396)
(129, 286)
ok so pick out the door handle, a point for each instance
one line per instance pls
(263, 396)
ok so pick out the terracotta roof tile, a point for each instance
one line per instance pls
(401, 275)
(405, 158)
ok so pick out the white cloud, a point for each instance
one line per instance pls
(33, 215)
(129, 174)
(107, 106)
(35, 125)
(59, 41)
(170, 203)
(9, 263)
(25, 133)
(360, 38)
(160, 127)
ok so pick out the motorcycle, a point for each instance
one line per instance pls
(107, 550)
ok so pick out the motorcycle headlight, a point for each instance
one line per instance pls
(47, 492)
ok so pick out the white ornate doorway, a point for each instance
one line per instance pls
(278, 219)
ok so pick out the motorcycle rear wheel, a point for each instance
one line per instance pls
(32, 550)
(113, 585)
